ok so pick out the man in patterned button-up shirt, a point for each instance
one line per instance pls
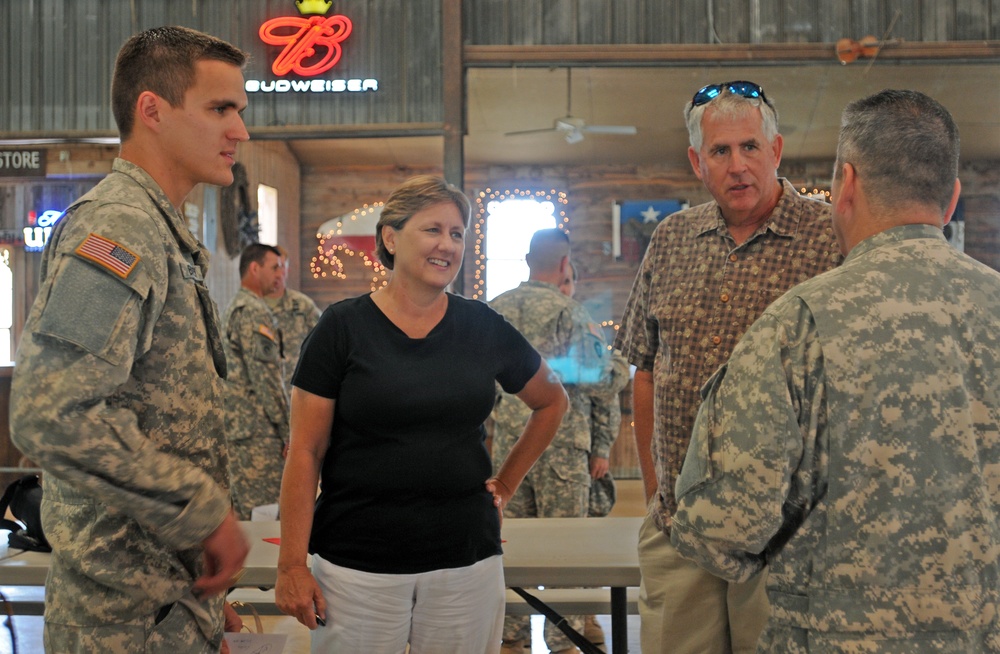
(708, 273)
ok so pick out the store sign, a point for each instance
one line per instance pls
(39, 229)
(11, 237)
(311, 46)
(22, 163)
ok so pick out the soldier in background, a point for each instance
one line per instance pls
(117, 391)
(852, 444)
(558, 486)
(257, 402)
(605, 423)
(295, 314)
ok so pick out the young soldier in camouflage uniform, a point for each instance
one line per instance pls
(117, 391)
(257, 404)
(295, 314)
(708, 273)
(852, 444)
(558, 486)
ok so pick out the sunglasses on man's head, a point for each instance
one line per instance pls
(740, 88)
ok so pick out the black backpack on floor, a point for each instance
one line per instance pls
(24, 498)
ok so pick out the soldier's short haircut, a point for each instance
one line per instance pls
(162, 60)
(904, 145)
(412, 196)
(255, 253)
(547, 249)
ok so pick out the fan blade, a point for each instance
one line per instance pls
(609, 129)
(530, 131)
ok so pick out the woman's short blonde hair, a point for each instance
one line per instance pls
(412, 196)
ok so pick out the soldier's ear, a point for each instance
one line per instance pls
(147, 110)
(950, 211)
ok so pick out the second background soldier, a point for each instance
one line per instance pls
(257, 402)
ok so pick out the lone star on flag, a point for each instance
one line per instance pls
(650, 215)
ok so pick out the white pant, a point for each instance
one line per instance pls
(450, 611)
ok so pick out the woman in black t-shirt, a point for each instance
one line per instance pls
(388, 405)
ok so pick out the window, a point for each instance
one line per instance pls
(267, 214)
(509, 227)
(6, 306)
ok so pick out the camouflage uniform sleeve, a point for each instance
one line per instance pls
(254, 337)
(606, 410)
(586, 360)
(752, 467)
(77, 352)
(306, 307)
(312, 313)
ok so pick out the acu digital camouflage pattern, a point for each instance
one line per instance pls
(295, 315)
(605, 423)
(117, 394)
(573, 345)
(695, 294)
(558, 485)
(257, 404)
(853, 446)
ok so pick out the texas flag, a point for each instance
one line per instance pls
(634, 223)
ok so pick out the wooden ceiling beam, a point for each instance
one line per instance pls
(699, 54)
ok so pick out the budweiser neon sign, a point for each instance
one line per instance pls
(311, 45)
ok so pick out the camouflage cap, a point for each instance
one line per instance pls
(602, 496)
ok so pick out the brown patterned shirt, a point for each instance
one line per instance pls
(695, 295)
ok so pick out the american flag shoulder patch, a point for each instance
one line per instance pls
(108, 254)
(268, 332)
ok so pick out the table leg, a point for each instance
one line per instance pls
(619, 621)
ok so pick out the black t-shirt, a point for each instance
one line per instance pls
(402, 484)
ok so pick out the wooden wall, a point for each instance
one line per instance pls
(270, 163)
(981, 206)
(56, 58)
(567, 22)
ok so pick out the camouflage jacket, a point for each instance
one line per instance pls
(852, 445)
(257, 402)
(605, 408)
(573, 345)
(295, 314)
(116, 394)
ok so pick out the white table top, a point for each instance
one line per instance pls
(591, 552)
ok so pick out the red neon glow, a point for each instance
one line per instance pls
(308, 35)
(364, 244)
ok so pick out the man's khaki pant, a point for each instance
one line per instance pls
(685, 610)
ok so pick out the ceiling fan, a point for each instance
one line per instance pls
(573, 128)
